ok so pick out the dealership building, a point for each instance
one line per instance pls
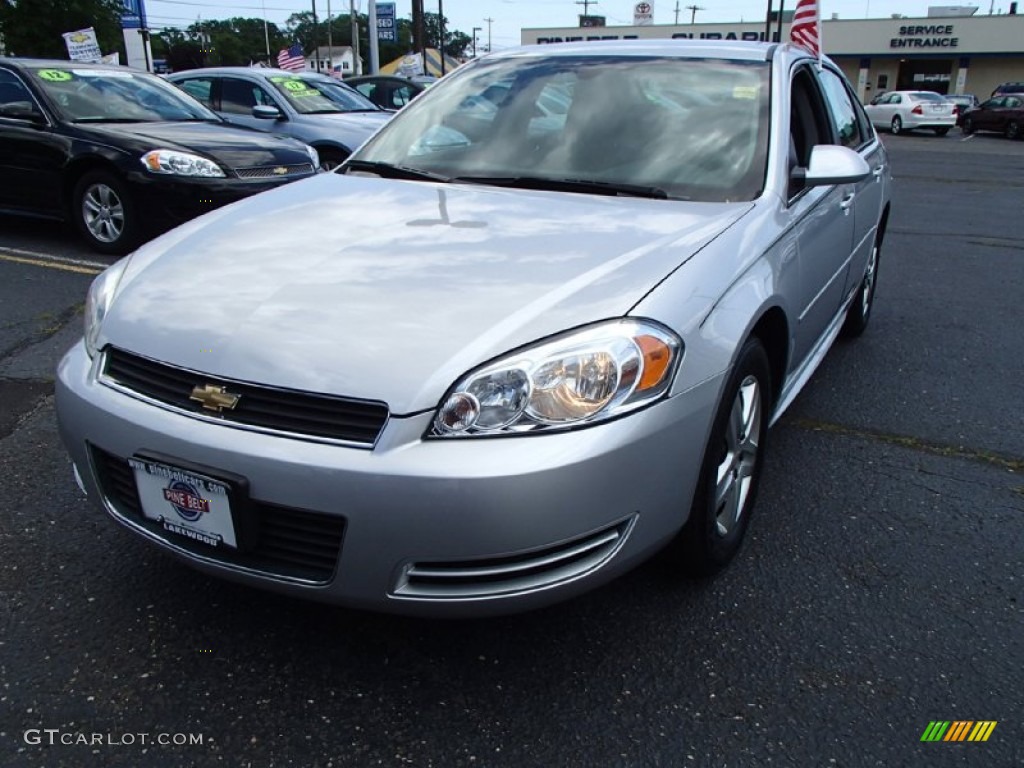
(954, 54)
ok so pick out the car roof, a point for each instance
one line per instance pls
(734, 50)
(262, 72)
(26, 62)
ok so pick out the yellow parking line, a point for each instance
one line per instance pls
(50, 264)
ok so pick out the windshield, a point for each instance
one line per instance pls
(83, 95)
(315, 96)
(691, 129)
(928, 96)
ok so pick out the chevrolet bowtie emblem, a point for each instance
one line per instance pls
(214, 398)
(280, 170)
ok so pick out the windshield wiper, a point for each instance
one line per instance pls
(389, 171)
(568, 185)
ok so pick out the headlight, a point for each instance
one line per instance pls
(98, 300)
(314, 157)
(174, 163)
(582, 377)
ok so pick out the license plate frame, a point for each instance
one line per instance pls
(192, 503)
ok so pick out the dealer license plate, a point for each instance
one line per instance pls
(185, 503)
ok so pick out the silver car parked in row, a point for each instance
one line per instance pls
(320, 110)
(498, 357)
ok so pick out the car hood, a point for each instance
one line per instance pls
(360, 124)
(391, 290)
(231, 146)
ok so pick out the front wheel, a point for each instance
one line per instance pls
(941, 131)
(104, 213)
(731, 468)
(331, 158)
(896, 126)
(859, 313)
(1013, 130)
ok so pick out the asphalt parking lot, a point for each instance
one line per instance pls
(880, 588)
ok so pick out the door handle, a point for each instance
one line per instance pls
(847, 202)
(877, 173)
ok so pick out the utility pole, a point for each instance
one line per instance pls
(693, 11)
(586, 6)
(677, 12)
(489, 22)
(330, 41)
(440, 33)
(475, 30)
(316, 43)
(357, 62)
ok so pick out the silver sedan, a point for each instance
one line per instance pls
(501, 355)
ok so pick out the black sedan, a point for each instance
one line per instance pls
(124, 154)
(389, 91)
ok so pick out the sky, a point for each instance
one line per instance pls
(511, 16)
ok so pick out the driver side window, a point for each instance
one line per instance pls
(808, 124)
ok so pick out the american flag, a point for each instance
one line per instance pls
(292, 58)
(806, 29)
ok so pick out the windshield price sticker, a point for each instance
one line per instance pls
(55, 75)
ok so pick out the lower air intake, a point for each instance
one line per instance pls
(516, 573)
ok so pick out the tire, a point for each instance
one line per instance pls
(896, 126)
(331, 158)
(941, 131)
(967, 126)
(721, 508)
(859, 312)
(104, 213)
(1013, 130)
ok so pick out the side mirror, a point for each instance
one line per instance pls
(22, 110)
(266, 112)
(831, 164)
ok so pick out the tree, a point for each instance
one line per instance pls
(34, 27)
(455, 42)
(230, 42)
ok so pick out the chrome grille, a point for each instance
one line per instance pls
(288, 542)
(272, 171)
(516, 573)
(266, 408)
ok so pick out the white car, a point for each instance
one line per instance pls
(906, 110)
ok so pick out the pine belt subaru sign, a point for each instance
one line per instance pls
(385, 22)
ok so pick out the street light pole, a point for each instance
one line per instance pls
(475, 30)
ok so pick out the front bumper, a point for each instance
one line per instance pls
(167, 201)
(431, 527)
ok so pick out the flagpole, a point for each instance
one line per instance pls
(266, 34)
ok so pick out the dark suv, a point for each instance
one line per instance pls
(1004, 88)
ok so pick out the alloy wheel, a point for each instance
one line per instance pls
(103, 213)
(867, 294)
(742, 439)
